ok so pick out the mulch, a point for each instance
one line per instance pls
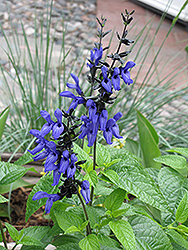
(18, 209)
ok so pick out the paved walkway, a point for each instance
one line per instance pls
(173, 52)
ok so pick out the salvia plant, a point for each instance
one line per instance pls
(104, 80)
(103, 197)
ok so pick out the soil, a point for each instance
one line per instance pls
(18, 206)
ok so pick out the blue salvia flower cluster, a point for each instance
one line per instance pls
(104, 80)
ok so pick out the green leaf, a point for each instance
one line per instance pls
(86, 148)
(72, 229)
(65, 239)
(24, 159)
(124, 232)
(136, 180)
(182, 210)
(10, 172)
(67, 219)
(3, 199)
(132, 146)
(175, 161)
(91, 177)
(181, 151)
(37, 232)
(82, 155)
(177, 238)
(44, 184)
(173, 185)
(115, 199)
(90, 242)
(94, 214)
(30, 241)
(83, 226)
(111, 175)
(14, 234)
(148, 141)
(2, 248)
(107, 241)
(149, 232)
(3, 118)
(69, 246)
(102, 155)
(18, 183)
(182, 229)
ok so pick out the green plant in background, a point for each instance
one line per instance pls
(39, 89)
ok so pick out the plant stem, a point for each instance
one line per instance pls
(3, 236)
(88, 227)
(94, 164)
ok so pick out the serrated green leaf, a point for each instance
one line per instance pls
(90, 242)
(107, 241)
(82, 155)
(67, 219)
(37, 232)
(3, 199)
(142, 245)
(30, 241)
(83, 226)
(115, 199)
(182, 151)
(124, 232)
(174, 161)
(182, 210)
(86, 148)
(111, 175)
(24, 159)
(10, 172)
(149, 232)
(177, 238)
(44, 184)
(91, 177)
(148, 141)
(136, 180)
(102, 155)
(72, 229)
(112, 163)
(18, 183)
(3, 118)
(62, 240)
(94, 214)
(69, 246)
(14, 234)
(182, 229)
(173, 185)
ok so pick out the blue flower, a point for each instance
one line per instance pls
(72, 167)
(58, 127)
(95, 57)
(51, 198)
(76, 99)
(85, 191)
(75, 86)
(126, 74)
(103, 119)
(112, 128)
(41, 141)
(90, 129)
(56, 176)
(106, 82)
(92, 110)
(51, 157)
(116, 79)
(46, 128)
(64, 163)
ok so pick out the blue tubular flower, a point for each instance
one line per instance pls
(106, 82)
(75, 86)
(116, 79)
(92, 110)
(41, 141)
(76, 99)
(112, 128)
(64, 163)
(89, 129)
(46, 128)
(56, 176)
(51, 198)
(52, 156)
(85, 191)
(72, 167)
(95, 57)
(58, 127)
(126, 74)
(103, 119)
